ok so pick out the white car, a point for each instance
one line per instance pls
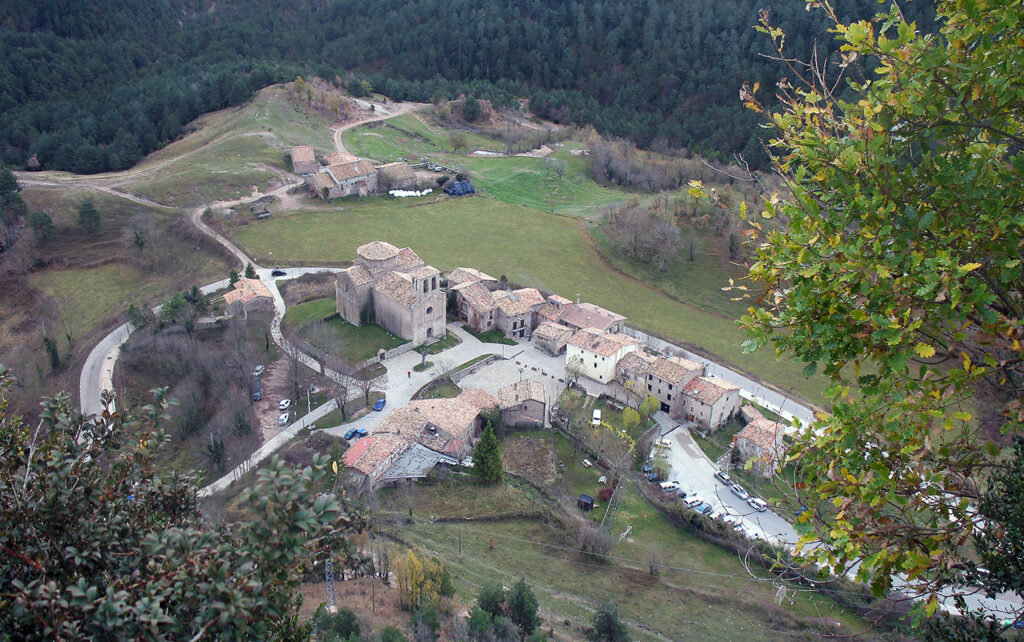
(693, 500)
(597, 417)
(257, 371)
(669, 486)
(283, 419)
(664, 443)
(285, 404)
(740, 492)
(757, 504)
(732, 520)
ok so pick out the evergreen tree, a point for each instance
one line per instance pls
(607, 627)
(522, 608)
(487, 458)
(88, 217)
(250, 271)
(233, 277)
(492, 599)
(42, 225)
(471, 109)
(479, 623)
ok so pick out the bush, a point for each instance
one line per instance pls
(391, 634)
(605, 494)
(607, 627)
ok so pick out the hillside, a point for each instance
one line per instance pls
(90, 87)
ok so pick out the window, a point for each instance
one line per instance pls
(430, 310)
(595, 364)
(433, 283)
(425, 284)
(669, 386)
(670, 397)
(649, 388)
(650, 377)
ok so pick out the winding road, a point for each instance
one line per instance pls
(97, 373)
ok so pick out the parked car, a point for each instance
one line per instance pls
(284, 404)
(647, 468)
(723, 477)
(757, 504)
(257, 371)
(732, 520)
(379, 405)
(356, 433)
(277, 272)
(740, 492)
(682, 494)
(704, 508)
(693, 501)
(669, 486)
(256, 396)
(283, 419)
(596, 420)
(664, 443)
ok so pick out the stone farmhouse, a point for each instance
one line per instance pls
(345, 175)
(761, 440)
(484, 307)
(394, 289)
(578, 316)
(552, 337)
(524, 403)
(248, 296)
(412, 440)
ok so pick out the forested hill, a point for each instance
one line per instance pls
(90, 86)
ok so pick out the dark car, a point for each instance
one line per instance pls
(705, 508)
(653, 477)
(356, 432)
(379, 405)
(647, 468)
(277, 272)
(723, 477)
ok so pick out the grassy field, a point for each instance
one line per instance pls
(700, 592)
(357, 343)
(231, 152)
(528, 246)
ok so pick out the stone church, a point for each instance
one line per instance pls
(396, 290)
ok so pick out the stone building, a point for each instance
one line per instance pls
(394, 289)
(710, 401)
(666, 378)
(552, 337)
(248, 296)
(398, 175)
(304, 160)
(761, 440)
(515, 311)
(475, 305)
(577, 316)
(523, 403)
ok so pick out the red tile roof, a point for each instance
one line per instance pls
(600, 343)
(708, 390)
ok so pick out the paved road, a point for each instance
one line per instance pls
(695, 473)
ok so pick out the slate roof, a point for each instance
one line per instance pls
(397, 286)
(247, 290)
(351, 169)
(371, 455)
(416, 461)
(600, 343)
(468, 275)
(520, 391)
(708, 390)
(376, 251)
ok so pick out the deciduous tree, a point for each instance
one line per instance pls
(899, 275)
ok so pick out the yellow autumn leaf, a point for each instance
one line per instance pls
(924, 350)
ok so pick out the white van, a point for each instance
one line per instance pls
(596, 421)
(669, 486)
(757, 504)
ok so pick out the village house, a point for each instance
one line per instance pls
(523, 403)
(515, 310)
(710, 401)
(595, 354)
(761, 440)
(462, 275)
(304, 160)
(394, 289)
(666, 378)
(413, 439)
(552, 337)
(475, 305)
(248, 296)
(577, 316)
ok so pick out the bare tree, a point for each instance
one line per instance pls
(346, 382)
(574, 369)
(322, 340)
(370, 378)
